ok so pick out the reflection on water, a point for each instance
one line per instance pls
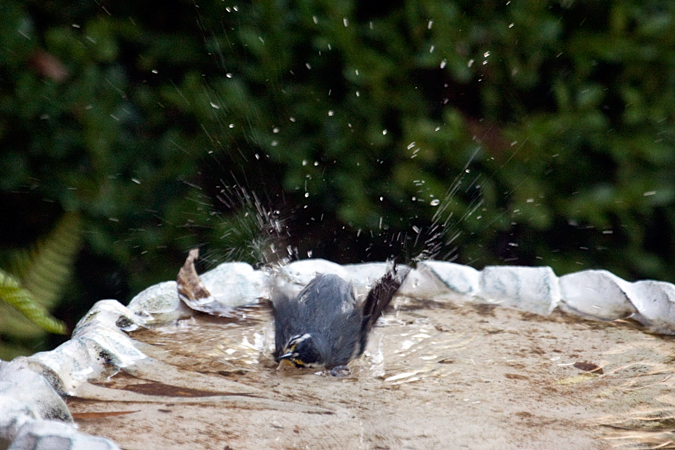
(206, 343)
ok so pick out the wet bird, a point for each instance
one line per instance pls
(325, 325)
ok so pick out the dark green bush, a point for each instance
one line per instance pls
(521, 132)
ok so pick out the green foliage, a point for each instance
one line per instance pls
(25, 302)
(488, 132)
(33, 283)
(45, 269)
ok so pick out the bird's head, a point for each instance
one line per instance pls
(302, 351)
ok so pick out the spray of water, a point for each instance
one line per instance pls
(250, 230)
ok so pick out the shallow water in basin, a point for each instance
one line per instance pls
(417, 346)
(435, 375)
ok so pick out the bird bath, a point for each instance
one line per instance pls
(447, 368)
(477, 377)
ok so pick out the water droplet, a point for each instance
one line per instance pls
(384, 132)
(345, 21)
(431, 22)
(314, 18)
(444, 63)
(330, 113)
(306, 194)
(471, 61)
(231, 125)
(228, 75)
(435, 202)
(275, 130)
(431, 50)
(214, 105)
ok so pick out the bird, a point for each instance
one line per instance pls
(325, 325)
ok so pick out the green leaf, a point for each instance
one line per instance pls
(47, 267)
(13, 294)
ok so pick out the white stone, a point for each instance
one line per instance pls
(532, 289)
(114, 314)
(302, 272)
(655, 303)
(423, 284)
(65, 367)
(459, 279)
(29, 388)
(291, 278)
(51, 435)
(364, 276)
(596, 294)
(107, 345)
(159, 304)
(231, 285)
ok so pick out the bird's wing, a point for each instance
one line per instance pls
(380, 296)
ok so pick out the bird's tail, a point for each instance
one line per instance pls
(381, 294)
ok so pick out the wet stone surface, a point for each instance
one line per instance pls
(435, 375)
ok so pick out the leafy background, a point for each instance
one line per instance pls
(511, 132)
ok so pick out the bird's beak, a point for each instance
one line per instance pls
(286, 356)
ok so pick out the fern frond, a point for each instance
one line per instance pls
(20, 298)
(47, 267)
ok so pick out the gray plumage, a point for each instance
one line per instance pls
(325, 325)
